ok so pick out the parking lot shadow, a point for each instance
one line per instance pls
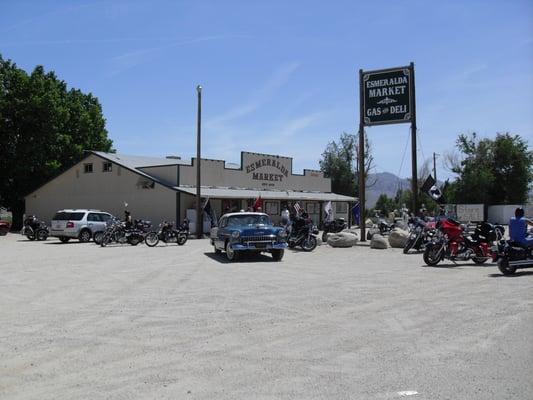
(515, 275)
(457, 265)
(249, 258)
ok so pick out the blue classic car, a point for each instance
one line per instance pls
(248, 231)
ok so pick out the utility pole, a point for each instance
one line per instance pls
(435, 166)
(199, 217)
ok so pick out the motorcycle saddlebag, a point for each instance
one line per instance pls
(516, 253)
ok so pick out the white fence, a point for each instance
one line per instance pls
(499, 214)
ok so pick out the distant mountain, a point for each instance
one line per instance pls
(385, 183)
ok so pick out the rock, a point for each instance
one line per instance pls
(319, 240)
(353, 231)
(378, 242)
(342, 239)
(400, 223)
(398, 238)
(371, 232)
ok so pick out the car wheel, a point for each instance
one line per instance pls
(85, 235)
(64, 239)
(277, 255)
(231, 254)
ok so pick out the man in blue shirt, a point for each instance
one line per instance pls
(518, 228)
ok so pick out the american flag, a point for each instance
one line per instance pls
(297, 208)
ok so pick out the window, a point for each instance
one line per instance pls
(105, 217)
(88, 168)
(312, 208)
(341, 207)
(68, 216)
(93, 217)
(107, 166)
(271, 208)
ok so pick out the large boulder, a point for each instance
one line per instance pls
(398, 238)
(378, 242)
(342, 239)
(353, 231)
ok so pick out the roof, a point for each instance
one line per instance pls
(236, 193)
(134, 162)
(244, 213)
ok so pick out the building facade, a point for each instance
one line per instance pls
(160, 189)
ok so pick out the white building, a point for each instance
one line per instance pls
(160, 189)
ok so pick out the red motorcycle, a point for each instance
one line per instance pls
(451, 243)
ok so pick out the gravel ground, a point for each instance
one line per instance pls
(83, 322)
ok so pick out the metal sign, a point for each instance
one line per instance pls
(387, 96)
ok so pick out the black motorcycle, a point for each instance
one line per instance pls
(337, 225)
(120, 232)
(302, 233)
(511, 256)
(420, 233)
(168, 234)
(35, 229)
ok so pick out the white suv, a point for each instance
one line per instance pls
(78, 224)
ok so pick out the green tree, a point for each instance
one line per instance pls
(340, 163)
(492, 171)
(385, 204)
(44, 129)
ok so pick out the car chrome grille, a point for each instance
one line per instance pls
(258, 239)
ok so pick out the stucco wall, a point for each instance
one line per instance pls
(106, 191)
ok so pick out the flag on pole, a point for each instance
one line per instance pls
(258, 204)
(428, 184)
(356, 212)
(328, 209)
(297, 208)
(208, 211)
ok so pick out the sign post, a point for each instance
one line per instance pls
(387, 96)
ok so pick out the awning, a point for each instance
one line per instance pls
(234, 193)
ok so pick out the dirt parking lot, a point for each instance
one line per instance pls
(82, 322)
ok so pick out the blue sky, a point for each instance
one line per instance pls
(281, 76)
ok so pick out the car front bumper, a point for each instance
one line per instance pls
(239, 246)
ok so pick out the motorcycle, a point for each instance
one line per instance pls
(450, 242)
(119, 232)
(381, 226)
(35, 229)
(420, 233)
(168, 234)
(511, 256)
(302, 233)
(334, 226)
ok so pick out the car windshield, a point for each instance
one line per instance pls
(236, 220)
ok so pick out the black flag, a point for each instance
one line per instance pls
(428, 184)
